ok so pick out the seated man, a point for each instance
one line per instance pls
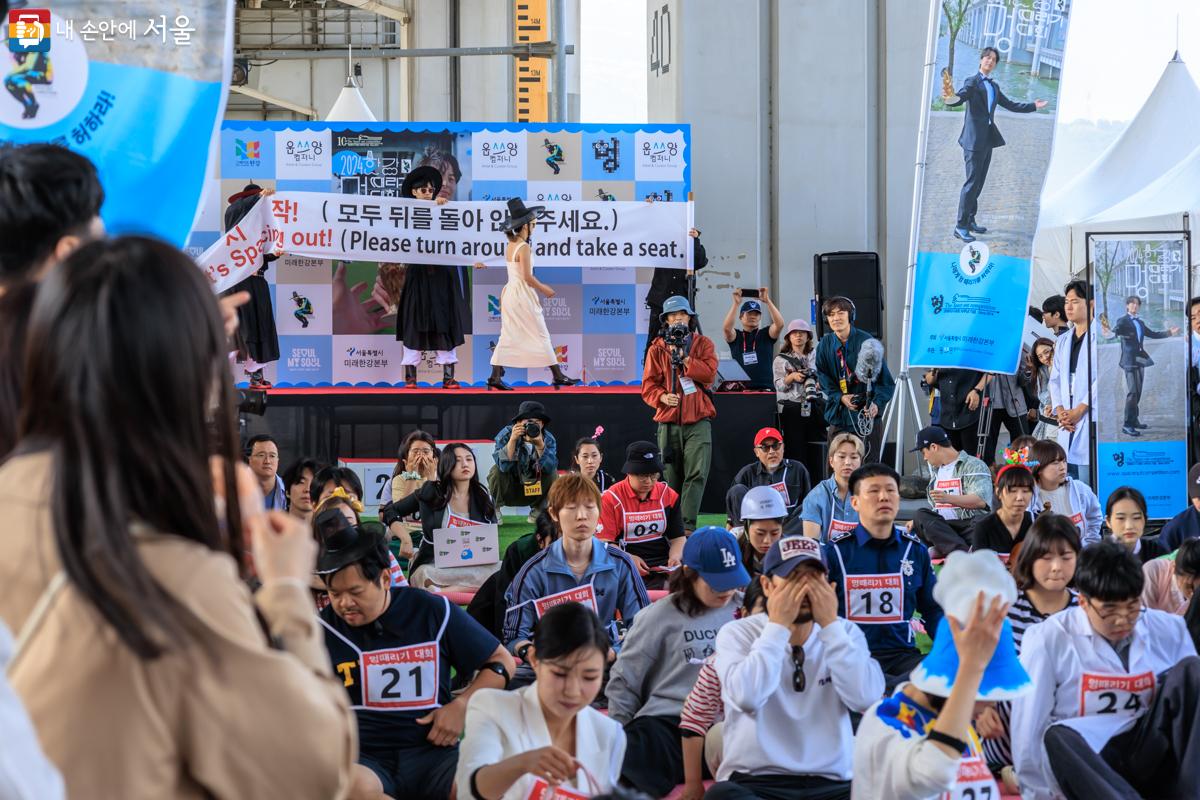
(641, 514)
(526, 458)
(394, 649)
(883, 574)
(790, 679)
(577, 568)
(1115, 711)
(789, 478)
(262, 454)
(959, 491)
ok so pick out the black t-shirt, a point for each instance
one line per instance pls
(758, 348)
(1076, 346)
(408, 653)
(992, 534)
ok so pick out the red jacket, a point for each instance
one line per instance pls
(702, 369)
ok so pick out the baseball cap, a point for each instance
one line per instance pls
(931, 435)
(767, 433)
(751, 305)
(791, 551)
(1194, 482)
(716, 557)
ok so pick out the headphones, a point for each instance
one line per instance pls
(853, 310)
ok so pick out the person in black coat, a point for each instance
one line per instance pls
(256, 340)
(672, 283)
(1134, 359)
(961, 391)
(979, 134)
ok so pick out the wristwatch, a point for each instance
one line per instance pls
(523, 649)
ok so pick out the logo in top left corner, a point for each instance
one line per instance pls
(29, 30)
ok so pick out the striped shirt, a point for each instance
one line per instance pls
(1021, 615)
(703, 708)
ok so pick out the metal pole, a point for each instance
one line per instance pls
(903, 381)
(558, 30)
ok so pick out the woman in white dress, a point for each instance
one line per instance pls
(524, 340)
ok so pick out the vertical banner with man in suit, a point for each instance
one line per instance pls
(1141, 286)
(998, 69)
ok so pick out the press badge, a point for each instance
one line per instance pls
(688, 385)
(749, 358)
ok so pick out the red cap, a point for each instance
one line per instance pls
(767, 433)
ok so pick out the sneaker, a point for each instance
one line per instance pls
(963, 234)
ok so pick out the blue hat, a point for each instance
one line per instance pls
(751, 305)
(931, 435)
(676, 303)
(714, 553)
(789, 553)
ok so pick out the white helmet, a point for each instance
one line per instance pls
(763, 502)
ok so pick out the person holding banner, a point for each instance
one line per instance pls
(980, 135)
(1133, 332)
(1073, 378)
(524, 340)
(257, 339)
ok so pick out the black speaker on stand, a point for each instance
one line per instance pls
(853, 275)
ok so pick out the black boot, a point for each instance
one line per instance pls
(496, 381)
(448, 381)
(560, 378)
(410, 376)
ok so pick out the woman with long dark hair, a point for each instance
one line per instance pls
(455, 499)
(146, 665)
(1041, 359)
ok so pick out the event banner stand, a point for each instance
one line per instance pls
(1140, 395)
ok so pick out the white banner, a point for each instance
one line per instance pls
(356, 228)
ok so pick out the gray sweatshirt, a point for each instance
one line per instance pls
(660, 658)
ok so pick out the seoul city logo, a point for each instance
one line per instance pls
(247, 152)
(493, 307)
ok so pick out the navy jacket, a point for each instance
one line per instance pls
(1184, 525)
(829, 373)
(979, 124)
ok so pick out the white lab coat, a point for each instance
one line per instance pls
(1087, 514)
(1068, 395)
(503, 724)
(1056, 653)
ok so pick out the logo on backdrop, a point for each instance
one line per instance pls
(937, 303)
(247, 152)
(974, 262)
(1118, 458)
(29, 30)
(608, 153)
(42, 89)
(560, 353)
(365, 358)
(493, 307)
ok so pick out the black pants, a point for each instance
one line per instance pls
(741, 786)
(653, 755)
(965, 439)
(424, 772)
(1158, 758)
(1135, 377)
(976, 163)
(1016, 426)
(897, 665)
(947, 535)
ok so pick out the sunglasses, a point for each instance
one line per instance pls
(798, 680)
(771, 447)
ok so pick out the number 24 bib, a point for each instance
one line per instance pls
(1125, 695)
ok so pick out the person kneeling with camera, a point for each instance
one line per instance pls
(680, 365)
(526, 460)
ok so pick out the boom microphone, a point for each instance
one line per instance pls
(870, 361)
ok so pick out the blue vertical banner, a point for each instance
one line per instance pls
(1140, 282)
(137, 86)
(989, 131)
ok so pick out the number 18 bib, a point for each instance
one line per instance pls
(875, 599)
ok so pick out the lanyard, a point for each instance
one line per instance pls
(847, 378)
(749, 343)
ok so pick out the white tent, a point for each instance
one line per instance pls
(1146, 180)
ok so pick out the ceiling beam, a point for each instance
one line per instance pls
(263, 97)
(382, 9)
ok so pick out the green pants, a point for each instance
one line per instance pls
(687, 472)
(507, 490)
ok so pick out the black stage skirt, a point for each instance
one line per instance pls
(428, 317)
(256, 334)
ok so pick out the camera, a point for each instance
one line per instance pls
(675, 335)
(532, 429)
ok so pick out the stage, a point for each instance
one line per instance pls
(342, 422)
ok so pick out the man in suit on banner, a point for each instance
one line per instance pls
(979, 134)
(1134, 359)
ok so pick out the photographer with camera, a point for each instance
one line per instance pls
(680, 365)
(752, 347)
(526, 458)
(855, 393)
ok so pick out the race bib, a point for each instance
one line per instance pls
(781, 487)
(688, 385)
(749, 358)
(949, 486)
(974, 782)
(840, 526)
(1124, 695)
(584, 595)
(455, 521)
(401, 678)
(645, 526)
(875, 599)
(1077, 518)
(543, 791)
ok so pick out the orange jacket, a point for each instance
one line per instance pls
(702, 368)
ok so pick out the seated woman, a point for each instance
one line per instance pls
(455, 500)
(1043, 569)
(577, 568)
(586, 460)
(1005, 527)
(827, 508)
(529, 742)
(330, 478)
(1171, 580)
(662, 655)
(642, 514)
(415, 466)
(1125, 514)
(1062, 494)
(763, 515)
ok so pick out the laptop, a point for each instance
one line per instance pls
(471, 546)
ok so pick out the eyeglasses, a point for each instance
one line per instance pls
(798, 680)
(771, 447)
(1127, 613)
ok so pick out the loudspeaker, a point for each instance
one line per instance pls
(855, 276)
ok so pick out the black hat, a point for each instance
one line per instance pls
(931, 435)
(343, 543)
(518, 215)
(641, 458)
(422, 176)
(531, 409)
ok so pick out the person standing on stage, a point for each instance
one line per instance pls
(751, 347)
(524, 340)
(980, 135)
(1133, 332)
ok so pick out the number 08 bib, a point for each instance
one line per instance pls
(401, 678)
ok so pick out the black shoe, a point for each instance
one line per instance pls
(563, 380)
(498, 384)
(1128, 431)
(1141, 426)
(973, 228)
(410, 377)
(964, 234)
(448, 381)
